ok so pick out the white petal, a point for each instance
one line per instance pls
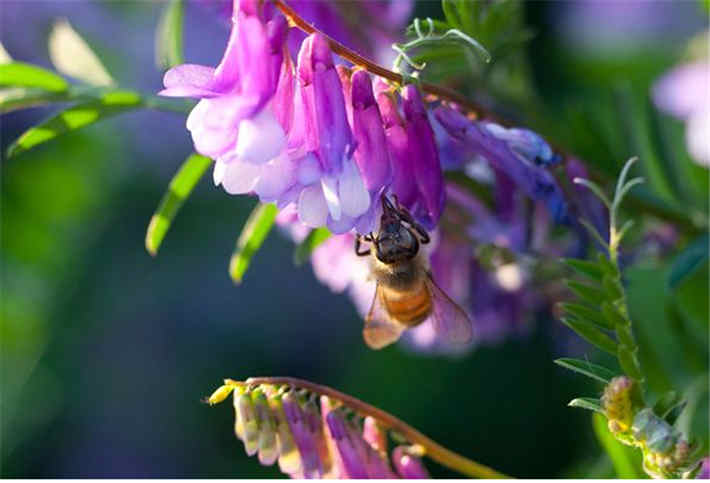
(260, 138)
(330, 191)
(342, 225)
(240, 177)
(220, 169)
(312, 208)
(276, 177)
(697, 137)
(354, 197)
(308, 169)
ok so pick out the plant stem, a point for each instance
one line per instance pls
(431, 448)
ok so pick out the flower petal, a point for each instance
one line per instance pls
(312, 208)
(354, 197)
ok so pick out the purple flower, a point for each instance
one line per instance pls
(509, 152)
(418, 178)
(704, 473)
(332, 189)
(683, 93)
(408, 466)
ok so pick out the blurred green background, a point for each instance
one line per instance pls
(107, 351)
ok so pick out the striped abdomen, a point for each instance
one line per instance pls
(410, 307)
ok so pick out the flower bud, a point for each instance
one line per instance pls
(617, 404)
(267, 443)
(220, 395)
(407, 465)
(289, 458)
(248, 424)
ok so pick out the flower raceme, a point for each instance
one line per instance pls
(320, 138)
(312, 435)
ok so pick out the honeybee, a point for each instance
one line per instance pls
(406, 295)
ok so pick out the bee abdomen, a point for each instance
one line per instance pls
(408, 308)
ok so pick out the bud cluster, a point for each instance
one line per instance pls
(312, 435)
(666, 454)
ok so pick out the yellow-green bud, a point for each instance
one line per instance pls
(617, 404)
(220, 394)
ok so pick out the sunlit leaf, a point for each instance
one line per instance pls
(179, 189)
(588, 293)
(688, 260)
(585, 313)
(587, 403)
(586, 268)
(592, 334)
(628, 360)
(19, 74)
(71, 55)
(595, 371)
(259, 224)
(309, 244)
(626, 460)
(168, 36)
(76, 117)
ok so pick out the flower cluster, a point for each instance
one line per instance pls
(312, 435)
(666, 454)
(321, 138)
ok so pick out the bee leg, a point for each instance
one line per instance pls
(358, 242)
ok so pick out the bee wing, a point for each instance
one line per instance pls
(380, 330)
(450, 321)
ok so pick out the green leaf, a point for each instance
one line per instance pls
(595, 188)
(666, 403)
(585, 267)
(259, 224)
(689, 260)
(168, 36)
(590, 403)
(626, 460)
(592, 334)
(628, 360)
(613, 315)
(309, 244)
(179, 189)
(595, 371)
(76, 117)
(19, 74)
(583, 312)
(588, 293)
(18, 98)
(71, 55)
(612, 287)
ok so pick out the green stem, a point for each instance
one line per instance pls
(432, 449)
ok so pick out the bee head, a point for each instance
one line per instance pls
(395, 241)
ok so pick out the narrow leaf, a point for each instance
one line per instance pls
(666, 403)
(585, 267)
(5, 58)
(613, 315)
(178, 191)
(259, 224)
(76, 117)
(595, 188)
(19, 74)
(585, 313)
(592, 334)
(168, 36)
(626, 460)
(71, 55)
(612, 287)
(595, 371)
(588, 293)
(587, 403)
(14, 99)
(688, 260)
(606, 265)
(629, 363)
(309, 244)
